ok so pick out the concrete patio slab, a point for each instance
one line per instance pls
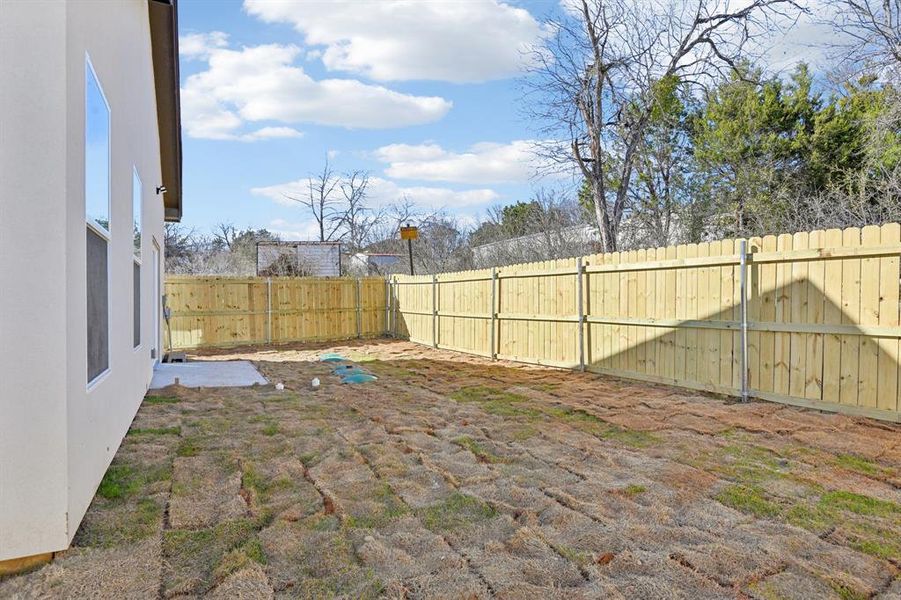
(230, 373)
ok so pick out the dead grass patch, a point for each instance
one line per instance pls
(478, 449)
(460, 477)
(195, 557)
(457, 510)
(154, 431)
(749, 499)
(151, 400)
(508, 404)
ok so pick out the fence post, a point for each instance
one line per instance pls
(359, 308)
(434, 311)
(394, 303)
(387, 305)
(493, 352)
(581, 309)
(269, 310)
(743, 278)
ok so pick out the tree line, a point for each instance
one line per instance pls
(675, 132)
(672, 131)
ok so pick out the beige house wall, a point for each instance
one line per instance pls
(57, 437)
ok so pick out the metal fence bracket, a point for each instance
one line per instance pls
(387, 305)
(394, 303)
(580, 307)
(434, 311)
(494, 312)
(359, 308)
(268, 310)
(743, 278)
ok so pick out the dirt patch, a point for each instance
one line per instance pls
(457, 477)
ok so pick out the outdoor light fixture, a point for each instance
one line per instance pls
(160, 190)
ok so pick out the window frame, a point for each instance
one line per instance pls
(137, 305)
(93, 383)
(104, 232)
(137, 204)
(92, 224)
(137, 185)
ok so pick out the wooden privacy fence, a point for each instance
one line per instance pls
(809, 319)
(225, 311)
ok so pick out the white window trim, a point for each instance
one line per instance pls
(140, 304)
(139, 255)
(94, 383)
(96, 227)
(109, 273)
(93, 226)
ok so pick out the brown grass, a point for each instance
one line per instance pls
(454, 476)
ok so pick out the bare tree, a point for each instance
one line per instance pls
(871, 31)
(441, 246)
(358, 219)
(323, 202)
(393, 217)
(224, 235)
(593, 84)
(404, 211)
(179, 244)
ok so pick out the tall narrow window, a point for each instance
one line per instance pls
(136, 207)
(136, 286)
(97, 217)
(137, 197)
(96, 153)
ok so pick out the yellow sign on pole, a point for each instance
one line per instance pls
(409, 233)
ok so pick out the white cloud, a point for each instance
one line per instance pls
(287, 230)
(409, 152)
(399, 40)
(513, 162)
(262, 83)
(199, 45)
(269, 133)
(208, 119)
(383, 192)
(807, 39)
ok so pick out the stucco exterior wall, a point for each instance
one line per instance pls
(33, 230)
(56, 436)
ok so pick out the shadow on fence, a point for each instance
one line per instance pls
(822, 321)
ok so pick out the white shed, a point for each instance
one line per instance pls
(311, 259)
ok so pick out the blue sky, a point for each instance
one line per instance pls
(443, 128)
(422, 95)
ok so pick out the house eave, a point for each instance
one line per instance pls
(164, 47)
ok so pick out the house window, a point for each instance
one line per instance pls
(96, 153)
(136, 207)
(97, 217)
(137, 198)
(136, 286)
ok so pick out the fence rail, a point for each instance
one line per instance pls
(810, 319)
(225, 311)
